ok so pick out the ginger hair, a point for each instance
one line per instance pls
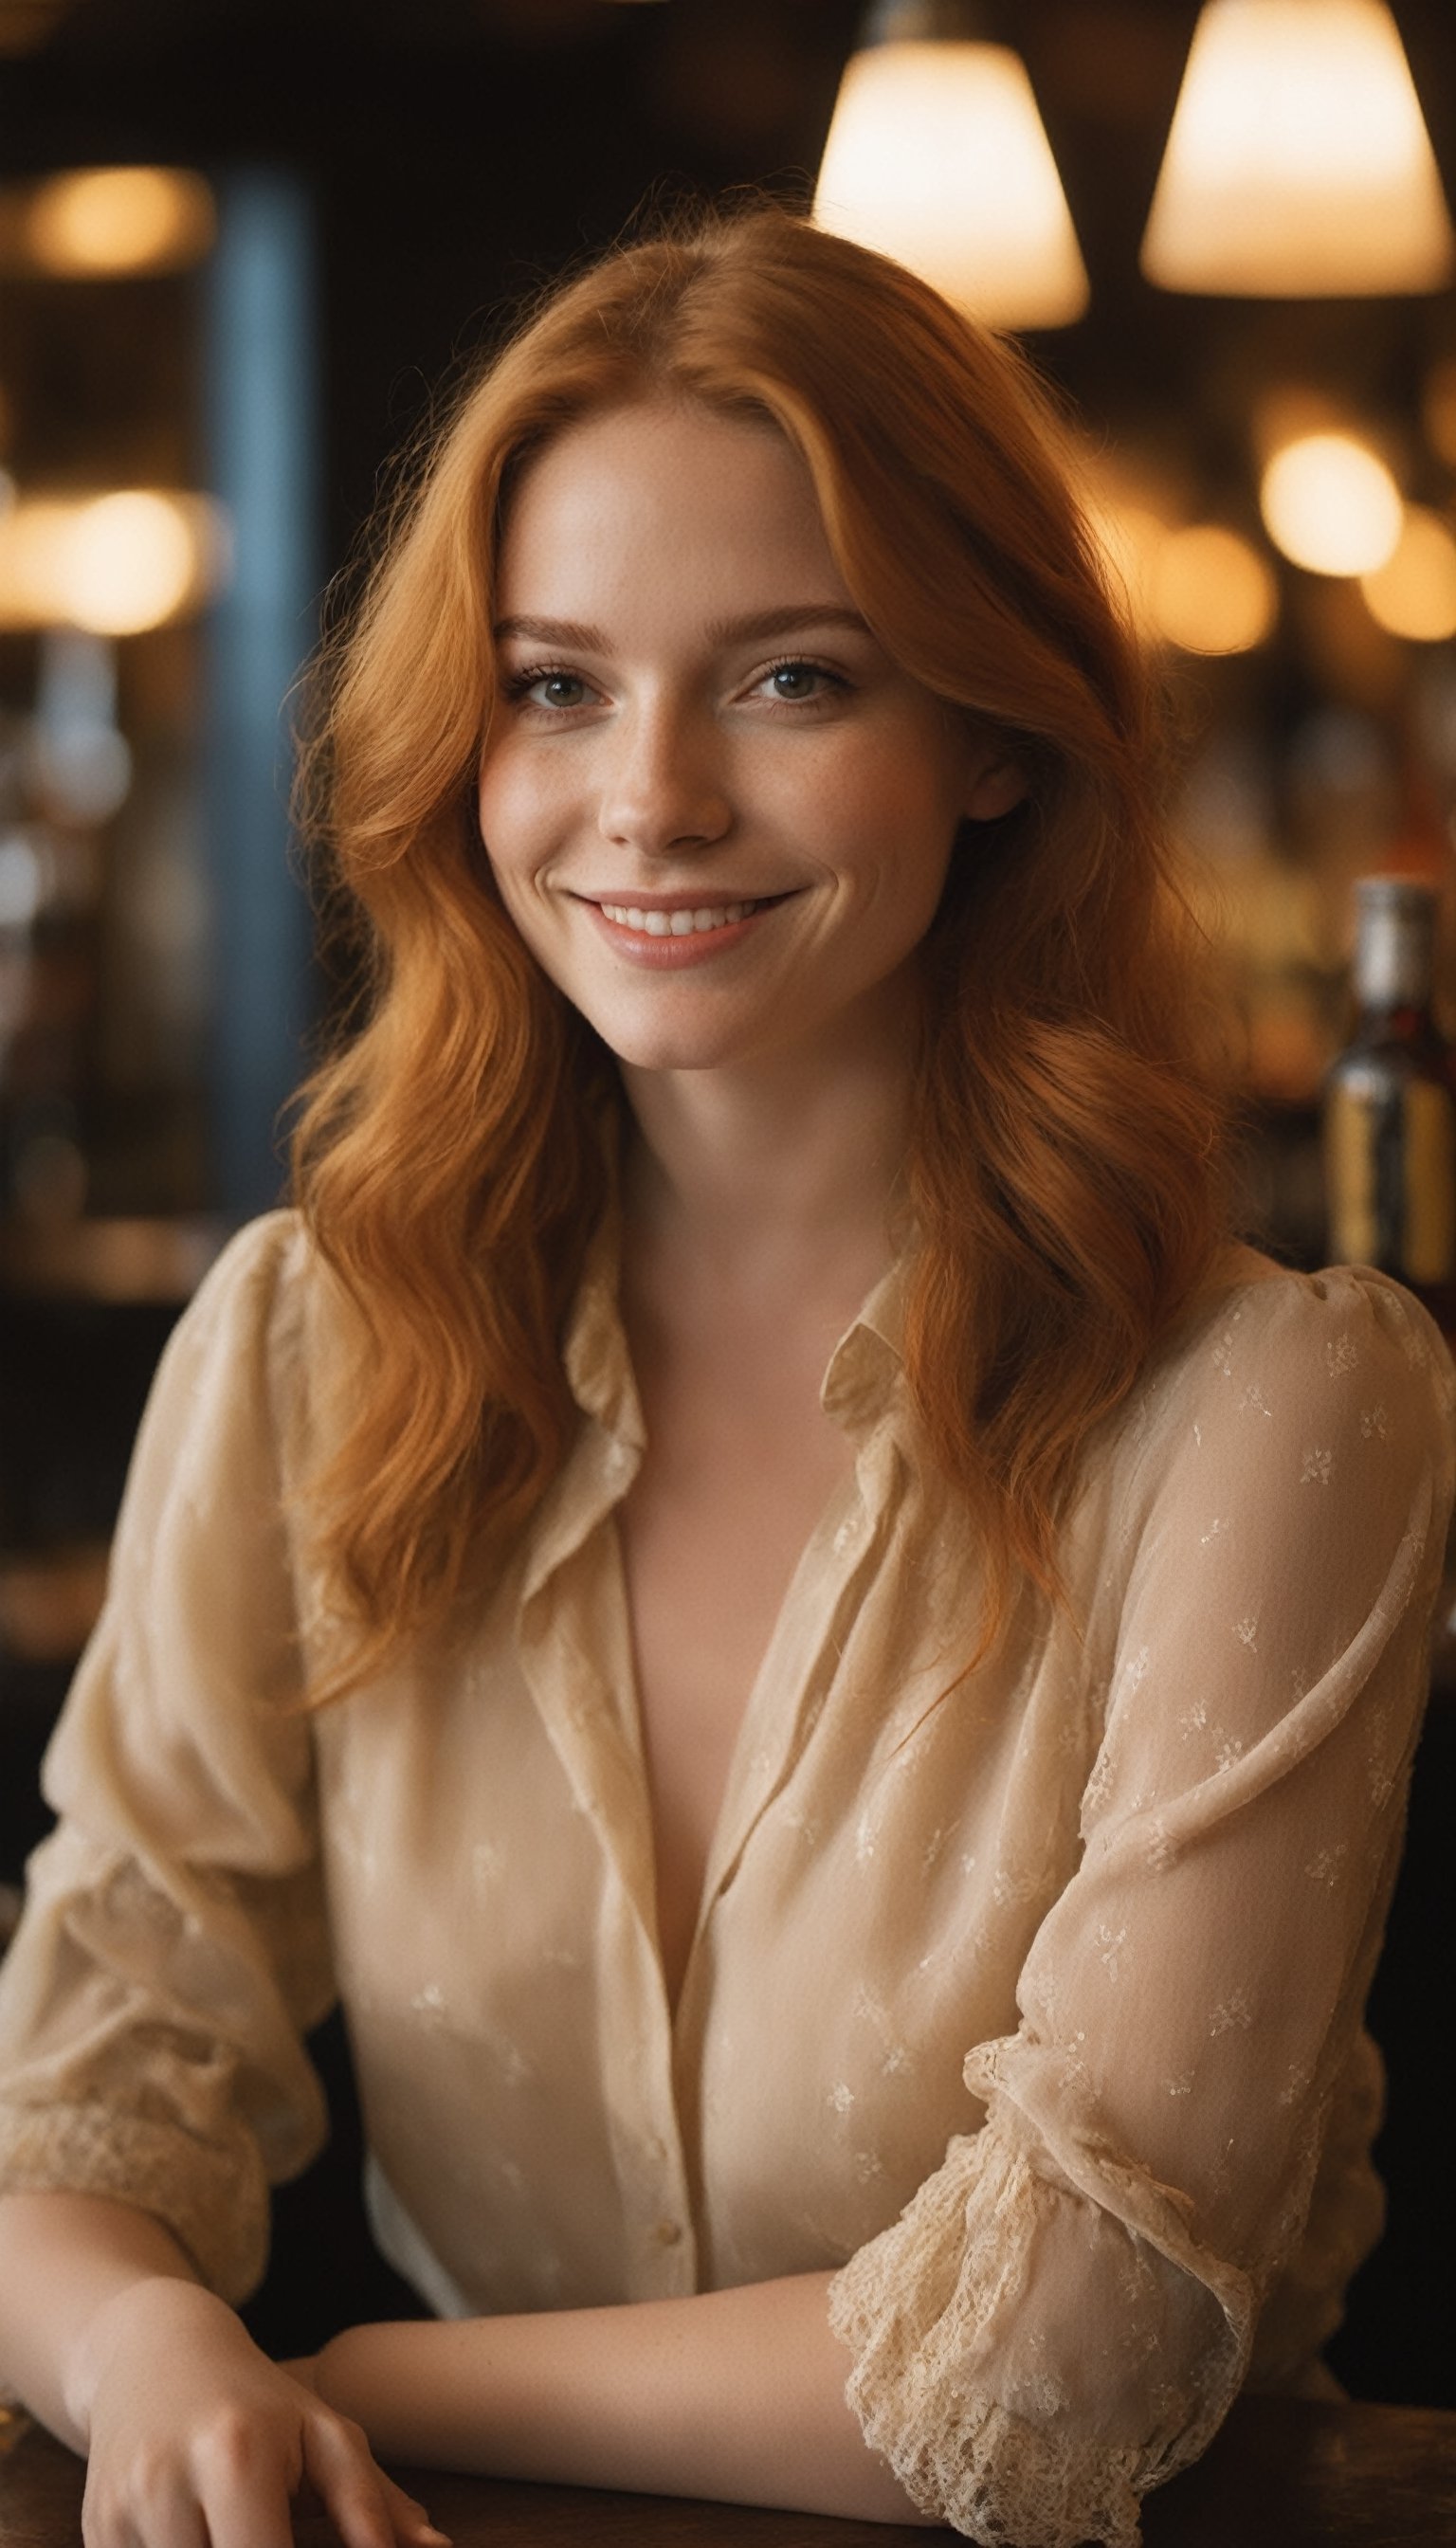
(1063, 1178)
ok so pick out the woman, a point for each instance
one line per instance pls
(874, 1656)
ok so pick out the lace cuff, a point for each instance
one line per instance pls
(966, 2381)
(213, 2201)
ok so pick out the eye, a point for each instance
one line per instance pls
(546, 686)
(797, 681)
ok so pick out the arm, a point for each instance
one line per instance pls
(112, 2341)
(173, 1949)
(1066, 2310)
(736, 2394)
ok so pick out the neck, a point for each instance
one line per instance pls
(772, 1168)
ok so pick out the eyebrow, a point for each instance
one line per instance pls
(587, 640)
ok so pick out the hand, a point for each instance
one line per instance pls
(194, 2436)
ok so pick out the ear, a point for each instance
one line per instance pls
(995, 786)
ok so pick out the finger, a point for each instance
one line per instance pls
(141, 2506)
(337, 2457)
(412, 2522)
(243, 2483)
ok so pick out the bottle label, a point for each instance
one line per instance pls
(1391, 1176)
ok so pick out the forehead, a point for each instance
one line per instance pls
(652, 483)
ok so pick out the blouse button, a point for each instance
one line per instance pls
(668, 2233)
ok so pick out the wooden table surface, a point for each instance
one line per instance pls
(1278, 2476)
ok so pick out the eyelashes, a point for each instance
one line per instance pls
(518, 687)
(802, 664)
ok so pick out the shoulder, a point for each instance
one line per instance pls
(250, 1331)
(263, 1278)
(1334, 1333)
(1283, 1382)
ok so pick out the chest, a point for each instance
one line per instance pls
(741, 1466)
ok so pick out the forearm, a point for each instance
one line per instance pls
(735, 2396)
(62, 2257)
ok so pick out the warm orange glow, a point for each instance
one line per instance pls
(1131, 534)
(1298, 161)
(115, 564)
(33, 538)
(938, 157)
(120, 220)
(1330, 504)
(1413, 595)
(1209, 591)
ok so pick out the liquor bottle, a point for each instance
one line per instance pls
(1390, 1104)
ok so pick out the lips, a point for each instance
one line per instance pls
(673, 930)
(695, 921)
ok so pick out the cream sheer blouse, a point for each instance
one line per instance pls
(1036, 2011)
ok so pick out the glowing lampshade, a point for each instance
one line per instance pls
(114, 564)
(1298, 162)
(120, 220)
(938, 157)
(1210, 594)
(1413, 595)
(1330, 504)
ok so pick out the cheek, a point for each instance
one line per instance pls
(509, 815)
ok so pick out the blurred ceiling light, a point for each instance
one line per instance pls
(1298, 163)
(1330, 504)
(116, 563)
(130, 563)
(1210, 592)
(32, 554)
(936, 155)
(120, 220)
(1413, 595)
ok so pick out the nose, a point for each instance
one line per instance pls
(664, 789)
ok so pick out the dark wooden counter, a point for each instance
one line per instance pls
(1279, 2476)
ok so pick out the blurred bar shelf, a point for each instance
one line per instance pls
(113, 1261)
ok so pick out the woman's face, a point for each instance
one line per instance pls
(716, 810)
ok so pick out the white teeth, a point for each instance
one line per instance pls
(676, 924)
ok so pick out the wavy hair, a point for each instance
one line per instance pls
(1063, 1167)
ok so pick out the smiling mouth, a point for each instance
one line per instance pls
(699, 921)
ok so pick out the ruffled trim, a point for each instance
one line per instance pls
(925, 2308)
(215, 2202)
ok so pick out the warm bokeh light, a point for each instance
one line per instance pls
(1298, 161)
(120, 220)
(1130, 535)
(1209, 591)
(115, 564)
(1413, 595)
(1330, 504)
(130, 563)
(936, 155)
(33, 540)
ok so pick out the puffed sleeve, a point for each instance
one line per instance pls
(174, 1945)
(1065, 2311)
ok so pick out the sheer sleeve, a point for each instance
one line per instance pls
(1065, 2311)
(173, 1945)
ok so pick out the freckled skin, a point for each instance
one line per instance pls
(684, 752)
